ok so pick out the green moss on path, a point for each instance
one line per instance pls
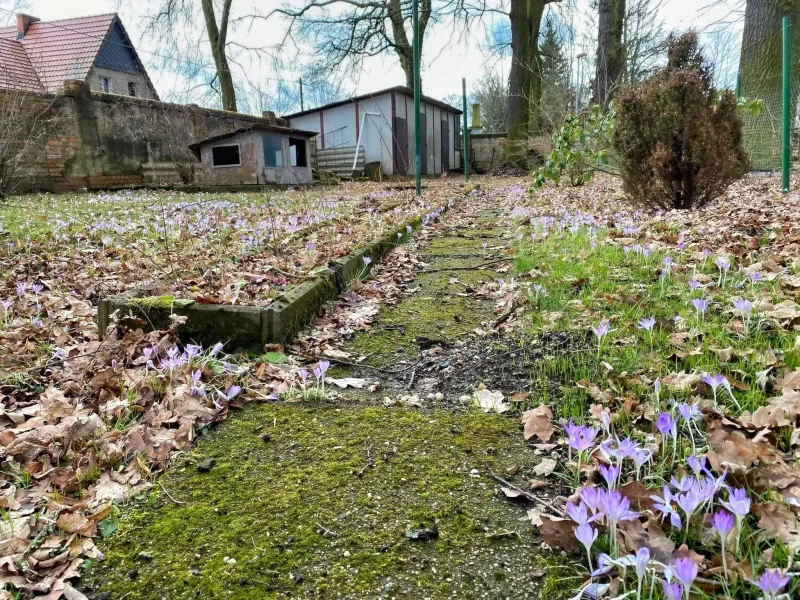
(267, 505)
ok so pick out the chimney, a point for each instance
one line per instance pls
(268, 114)
(23, 23)
(476, 119)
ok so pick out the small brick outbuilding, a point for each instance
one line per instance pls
(256, 155)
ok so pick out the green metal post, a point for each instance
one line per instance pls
(787, 102)
(417, 93)
(465, 150)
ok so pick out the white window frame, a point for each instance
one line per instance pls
(239, 164)
(105, 82)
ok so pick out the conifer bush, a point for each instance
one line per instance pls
(678, 141)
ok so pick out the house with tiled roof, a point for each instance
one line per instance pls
(40, 56)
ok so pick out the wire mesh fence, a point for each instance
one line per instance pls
(762, 131)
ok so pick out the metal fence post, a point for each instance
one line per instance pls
(786, 161)
(465, 141)
(417, 93)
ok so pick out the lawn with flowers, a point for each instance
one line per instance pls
(242, 248)
(680, 425)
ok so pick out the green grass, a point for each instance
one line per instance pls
(584, 274)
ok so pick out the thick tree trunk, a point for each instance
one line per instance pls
(610, 50)
(217, 36)
(402, 44)
(524, 79)
(760, 68)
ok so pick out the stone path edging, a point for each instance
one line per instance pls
(244, 328)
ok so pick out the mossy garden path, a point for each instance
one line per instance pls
(350, 498)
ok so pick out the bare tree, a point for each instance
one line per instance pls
(643, 38)
(722, 46)
(284, 96)
(27, 119)
(169, 24)
(345, 32)
(169, 133)
(491, 92)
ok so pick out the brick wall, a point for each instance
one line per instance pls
(95, 140)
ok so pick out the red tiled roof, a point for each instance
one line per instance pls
(17, 72)
(60, 50)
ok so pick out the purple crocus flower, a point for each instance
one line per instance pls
(21, 287)
(232, 392)
(367, 261)
(672, 591)
(591, 497)
(685, 571)
(694, 285)
(578, 513)
(688, 502)
(601, 330)
(667, 425)
(611, 475)
(772, 582)
(303, 373)
(695, 464)
(701, 306)
(744, 307)
(738, 502)
(604, 565)
(688, 412)
(722, 522)
(37, 287)
(586, 535)
(216, 349)
(647, 324)
(641, 562)
(663, 504)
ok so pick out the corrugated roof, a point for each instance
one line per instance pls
(65, 49)
(17, 72)
(398, 88)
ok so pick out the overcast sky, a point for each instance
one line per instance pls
(445, 62)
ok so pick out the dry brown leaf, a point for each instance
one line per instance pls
(538, 422)
(558, 533)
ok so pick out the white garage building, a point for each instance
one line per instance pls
(387, 120)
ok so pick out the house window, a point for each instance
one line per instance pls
(225, 156)
(273, 151)
(132, 89)
(297, 152)
(105, 85)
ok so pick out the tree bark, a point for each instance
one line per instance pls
(402, 45)
(217, 37)
(760, 68)
(524, 79)
(610, 50)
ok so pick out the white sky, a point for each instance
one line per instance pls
(444, 62)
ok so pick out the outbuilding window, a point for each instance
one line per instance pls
(105, 85)
(225, 156)
(297, 152)
(273, 151)
(132, 89)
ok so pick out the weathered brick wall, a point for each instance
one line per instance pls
(101, 140)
